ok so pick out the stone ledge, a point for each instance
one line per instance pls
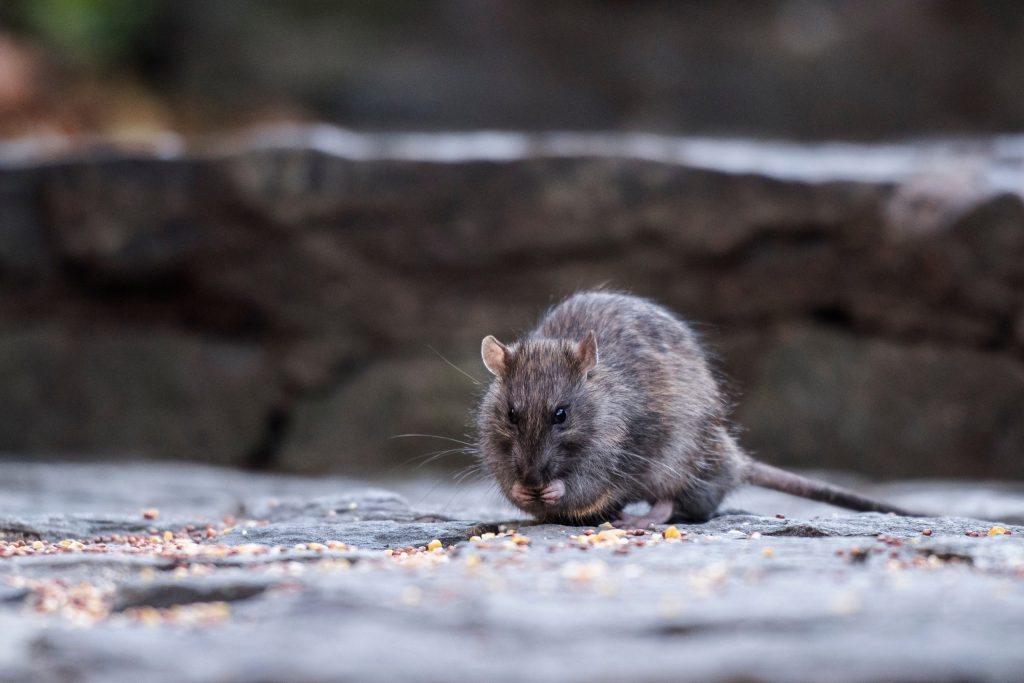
(839, 596)
(321, 264)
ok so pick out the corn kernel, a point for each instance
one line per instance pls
(671, 532)
(997, 531)
(434, 545)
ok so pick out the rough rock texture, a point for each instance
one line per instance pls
(777, 68)
(273, 300)
(816, 595)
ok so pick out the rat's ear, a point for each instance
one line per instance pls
(495, 355)
(587, 352)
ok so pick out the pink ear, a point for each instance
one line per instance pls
(587, 352)
(495, 355)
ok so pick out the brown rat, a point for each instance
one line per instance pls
(609, 401)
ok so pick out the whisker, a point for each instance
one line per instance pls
(428, 458)
(432, 457)
(431, 436)
(472, 379)
(652, 461)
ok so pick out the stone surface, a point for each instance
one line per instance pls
(272, 299)
(817, 594)
(777, 68)
(908, 410)
(135, 390)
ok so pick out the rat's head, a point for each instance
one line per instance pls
(537, 422)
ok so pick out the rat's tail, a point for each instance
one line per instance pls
(760, 474)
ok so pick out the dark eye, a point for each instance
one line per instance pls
(559, 416)
(513, 416)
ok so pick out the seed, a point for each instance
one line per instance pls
(768, 552)
(927, 532)
(434, 545)
(998, 531)
(671, 532)
(151, 513)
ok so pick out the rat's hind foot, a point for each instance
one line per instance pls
(658, 514)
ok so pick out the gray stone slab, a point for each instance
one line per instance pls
(825, 595)
(373, 535)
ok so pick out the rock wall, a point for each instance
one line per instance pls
(277, 300)
(863, 70)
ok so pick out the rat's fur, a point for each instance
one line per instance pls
(645, 420)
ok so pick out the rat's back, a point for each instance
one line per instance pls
(632, 333)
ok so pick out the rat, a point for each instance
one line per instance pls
(610, 400)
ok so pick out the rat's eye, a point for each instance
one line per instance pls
(513, 416)
(559, 416)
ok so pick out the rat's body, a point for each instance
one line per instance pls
(610, 401)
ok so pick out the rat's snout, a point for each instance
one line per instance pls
(550, 494)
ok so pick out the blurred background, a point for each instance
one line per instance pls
(246, 232)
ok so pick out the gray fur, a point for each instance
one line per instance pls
(648, 423)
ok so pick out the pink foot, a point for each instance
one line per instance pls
(553, 492)
(521, 495)
(659, 513)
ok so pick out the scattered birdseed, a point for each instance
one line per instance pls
(584, 572)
